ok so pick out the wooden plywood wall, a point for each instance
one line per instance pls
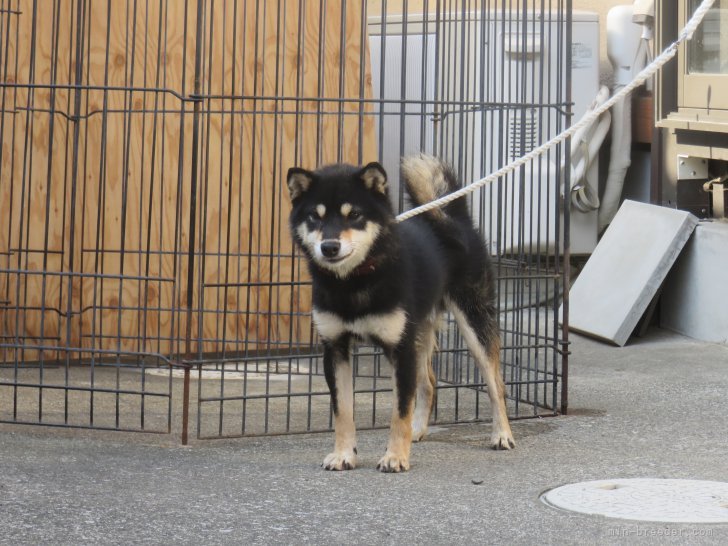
(96, 182)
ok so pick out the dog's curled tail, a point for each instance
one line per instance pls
(428, 178)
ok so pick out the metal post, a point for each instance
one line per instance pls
(193, 217)
(567, 226)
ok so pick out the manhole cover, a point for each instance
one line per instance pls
(675, 501)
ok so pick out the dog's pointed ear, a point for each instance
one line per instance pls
(374, 177)
(299, 181)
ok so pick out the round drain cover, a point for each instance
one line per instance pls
(675, 501)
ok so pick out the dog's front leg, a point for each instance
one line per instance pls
(338, 372)
(396, 458)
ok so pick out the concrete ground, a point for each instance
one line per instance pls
(655, 408)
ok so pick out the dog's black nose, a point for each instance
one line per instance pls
(330, 248)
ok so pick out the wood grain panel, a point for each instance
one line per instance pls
(101, 201)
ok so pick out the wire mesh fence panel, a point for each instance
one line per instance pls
(144, 209)
(364, 81)
(94, 132)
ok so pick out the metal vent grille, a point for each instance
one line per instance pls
(523, 131)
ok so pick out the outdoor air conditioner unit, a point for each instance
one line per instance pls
(480, 90)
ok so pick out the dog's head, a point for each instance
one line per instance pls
(338, 214)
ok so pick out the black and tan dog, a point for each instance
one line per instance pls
(388, 283)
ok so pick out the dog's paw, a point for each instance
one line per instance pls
(392, 462)
(340, 461)
(502, 440)
(418, 432)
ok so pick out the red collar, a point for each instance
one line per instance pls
(367, 267)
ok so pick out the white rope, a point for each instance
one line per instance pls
(644, 75)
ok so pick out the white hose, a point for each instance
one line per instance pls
(619, 162)
(628, 53)
(585, 146)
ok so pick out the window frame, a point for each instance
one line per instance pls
(697, 91)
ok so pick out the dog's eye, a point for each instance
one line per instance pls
(354, 215)
(312, 217)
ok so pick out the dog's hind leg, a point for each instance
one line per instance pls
(480, 331)
(338, 372)
(426, 382)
